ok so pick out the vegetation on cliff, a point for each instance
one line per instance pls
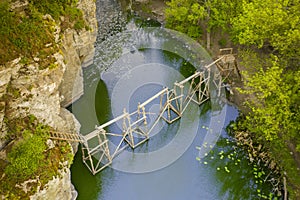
(26, 32)
(28, 29)
(267, 34)
(33, 160)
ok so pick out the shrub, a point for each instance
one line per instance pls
(22, 34)
(30, 157)
(26, 157)
(26, 34)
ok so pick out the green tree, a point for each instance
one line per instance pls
(188, 16)
(275, 106)
(269, 23)
(185, 16)
(274, 118)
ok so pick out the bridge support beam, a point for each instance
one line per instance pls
(95, 151)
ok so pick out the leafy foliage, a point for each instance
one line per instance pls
(27, 155)
(276, 103)
(259, 22)
(73, 17)
(269, 22)
(274, 119)
(221, 13)
(54, 7)
(21, 35)
(187, 16)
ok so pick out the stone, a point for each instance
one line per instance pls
(18, 6)
(50, 144)
(73, 125)
(2, 133)
(89, 36)
(58, 188)
(25, 186)
(71, 87)
(73, 192)
(78, 49)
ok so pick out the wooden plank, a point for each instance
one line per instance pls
(153, 97)
(137, 121)
(114, 134)
(91, 135)
(211, 64)
(111, 121)
(175, 98)
(97, 147)
(226, 49)
(188, 78)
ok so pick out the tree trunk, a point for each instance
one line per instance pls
(207, 39)
(208, 29)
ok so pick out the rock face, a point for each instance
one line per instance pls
(26, 89)
(78, 49)
(154, 9)
(5, 78)
(58, 188)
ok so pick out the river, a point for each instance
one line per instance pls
(192, 158)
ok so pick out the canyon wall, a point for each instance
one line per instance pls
(26, 89)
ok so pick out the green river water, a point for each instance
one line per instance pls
(205, 168)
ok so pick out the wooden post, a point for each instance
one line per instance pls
(168, 104)
(145, 122)
(181, 98)
(285, 190)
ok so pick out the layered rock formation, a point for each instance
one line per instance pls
(51, 190)
(78, 49)
(26, 89)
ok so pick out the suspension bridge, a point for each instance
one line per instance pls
(136, 128)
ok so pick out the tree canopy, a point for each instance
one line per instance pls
(263, 23)
(275, 108)
(187, 15)
(269, 22)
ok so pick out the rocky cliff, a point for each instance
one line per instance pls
(26, 89)
(78, 49)
(51, 191)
